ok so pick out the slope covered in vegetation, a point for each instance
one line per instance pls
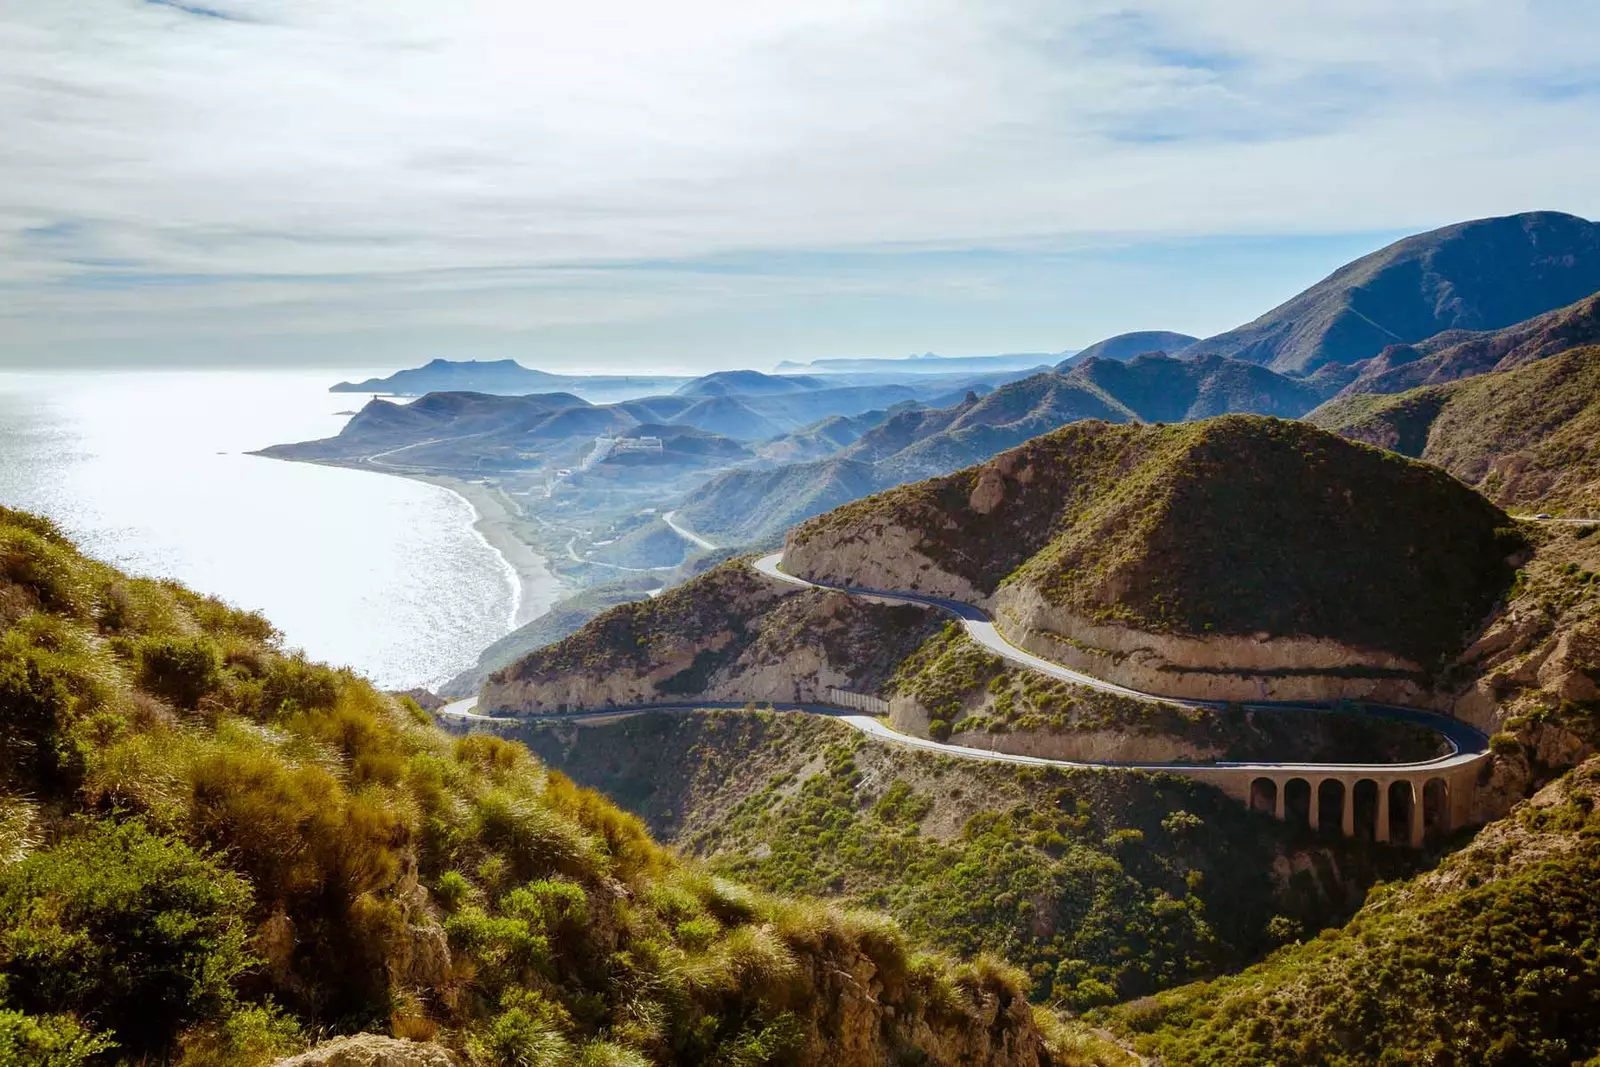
(1490, 959)
(1159, 388)
(1105, 886)
(1528, 437)
(211, 849)
(1457, 354)
(1233, 526)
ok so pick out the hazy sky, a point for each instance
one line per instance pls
(700, 184)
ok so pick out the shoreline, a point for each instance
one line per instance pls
(537, 587)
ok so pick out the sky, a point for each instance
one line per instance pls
(703, 184)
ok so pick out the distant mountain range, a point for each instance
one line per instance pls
(928, 363)
(482, 431)
(752, 506)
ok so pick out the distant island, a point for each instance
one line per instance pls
(504, 377)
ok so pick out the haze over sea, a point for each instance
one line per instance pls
(148, 470)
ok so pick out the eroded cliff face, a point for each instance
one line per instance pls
(1260, 667)
(876, 555)
(1217, 667)
(729, 636)
(1534, 673)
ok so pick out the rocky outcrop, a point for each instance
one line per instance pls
(1260, 667)
(859, 1019)
(728, 636)
(879, 555)
(372, 1050)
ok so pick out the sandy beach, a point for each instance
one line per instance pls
(538, 588)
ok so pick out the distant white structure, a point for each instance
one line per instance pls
(639, 444)
(605, 446)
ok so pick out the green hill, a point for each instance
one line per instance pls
(1477, 275)
(1233, 526)
(1490, 959)
(211, 850)
(1528, 438)
(1158, 388)
(1457, 354)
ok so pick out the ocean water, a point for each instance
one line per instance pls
(148, 471)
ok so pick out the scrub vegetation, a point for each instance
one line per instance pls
(212, 850)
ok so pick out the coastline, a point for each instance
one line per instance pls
(537, 587)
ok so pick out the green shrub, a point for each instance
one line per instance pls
(179, 669)
(138, 931)
(48, 1041)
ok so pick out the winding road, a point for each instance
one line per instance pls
(686, 533)
(1467, 744)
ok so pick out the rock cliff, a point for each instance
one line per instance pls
(729, 635)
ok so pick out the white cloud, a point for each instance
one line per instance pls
(356, 160)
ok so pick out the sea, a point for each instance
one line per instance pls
(150, 471)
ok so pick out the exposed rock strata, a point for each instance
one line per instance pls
(728, 636)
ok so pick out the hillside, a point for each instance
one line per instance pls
(1103, 886)
(1124, 346)
(1528, 438)
(1119, 549)
(212, 850)
(1457, 354)
(754, 506)
(1158, 388)
(1488, 959)
(1479, 275)
(728, 635)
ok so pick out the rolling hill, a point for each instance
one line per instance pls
(1124, 346)
(1158, 388)
(1527, 438)
(1456, 354)
(1126, 550)
(1479, 275)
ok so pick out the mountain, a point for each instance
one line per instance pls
(747, 382)
(749, 506)
(1487, 959)
(1235, 558)
(502, 376)
(1479, 275)
(1527, 438)
(1457, 354)
(212, 851)
(1158, 388)
(1124, 346)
